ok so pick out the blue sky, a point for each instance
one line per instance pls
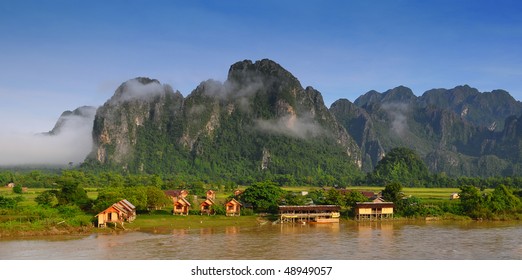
(59, 55)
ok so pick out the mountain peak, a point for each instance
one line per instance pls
(142, 88)
(246, 71)
(398, 94)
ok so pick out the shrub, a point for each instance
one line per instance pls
(247, 212)
(17, 189)
(7, 203)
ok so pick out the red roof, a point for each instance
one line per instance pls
(174, 193)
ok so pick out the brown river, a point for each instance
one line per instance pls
(430, 240)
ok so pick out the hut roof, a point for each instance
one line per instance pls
(208, 201)
(182, 201)
(127, 205)
(175, 193)
(368, 194)
(234, 202)
(373, 204)
(123, 206)
(310, 208)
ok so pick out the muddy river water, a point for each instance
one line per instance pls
(430, 240)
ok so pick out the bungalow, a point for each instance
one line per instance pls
(174, 195)
(368, 194)
(206, 207)
(373, 210)
(233, 208)
(119, 212)
(181, 207)
(238, 192)
(454, 196)
(211, 194)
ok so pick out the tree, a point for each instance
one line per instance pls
(472, 201)
(18, 189)
(7, 203)
(352, 197)
(107, 197)
(318, 197)
(392, 192)
(411, 206)
(71, 193)
(503, 200)
(334, 197)
(263, 196)
(292, 198)
(47, 198)
(399, 165)
(156, 198)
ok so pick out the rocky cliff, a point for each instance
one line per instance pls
(259, 120)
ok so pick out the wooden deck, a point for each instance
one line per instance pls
(309, 214)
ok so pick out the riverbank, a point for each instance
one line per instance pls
(164, 223)
(144, 222)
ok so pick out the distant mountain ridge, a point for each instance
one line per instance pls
(262, 122)
(459, 131)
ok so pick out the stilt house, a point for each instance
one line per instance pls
(233, 208)
(373, 210)
(181, 207)
(119, 212)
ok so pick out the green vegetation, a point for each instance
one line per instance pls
(165, 222)
(399, 165)
(66, 202)
(264, 196)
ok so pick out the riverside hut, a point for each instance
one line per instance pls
(233, 208)
(373, 210)
(174, 195)
(206, 207)
(309, 213)
(211, 194)
(181, 207)
(119, 212)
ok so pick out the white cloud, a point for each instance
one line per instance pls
(397, 113)
(71, 144)
(291, 125)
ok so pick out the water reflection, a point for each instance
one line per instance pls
(365, 240)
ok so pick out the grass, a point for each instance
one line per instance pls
(165, 222)
(423, 193)
(28, 197)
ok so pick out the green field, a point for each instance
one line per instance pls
(422, 193)
(165, 222)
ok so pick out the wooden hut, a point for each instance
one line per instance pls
(454, 196)
(211, 194)
(309, 213)
(174, 195)
(373, 210)
(119, 212)
(238, 192)
(233, 208)
(181, 206)
(206, 207)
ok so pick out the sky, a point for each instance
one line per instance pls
(58, 55)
